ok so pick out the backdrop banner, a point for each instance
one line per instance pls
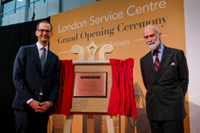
(119, 23)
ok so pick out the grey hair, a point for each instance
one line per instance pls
(157, 30)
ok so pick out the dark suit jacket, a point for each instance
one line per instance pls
(167, 87)
(28, 77)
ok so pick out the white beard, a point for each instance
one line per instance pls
(154, 46)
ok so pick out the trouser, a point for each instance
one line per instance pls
(30, 121)
(173, 126)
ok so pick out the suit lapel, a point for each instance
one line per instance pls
(149, 64)
(166, 57)
(35, 53)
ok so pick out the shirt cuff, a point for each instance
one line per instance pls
(30, 100)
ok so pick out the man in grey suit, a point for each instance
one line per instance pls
(165, 76)
(36, 79)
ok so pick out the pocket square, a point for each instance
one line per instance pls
(173, 63)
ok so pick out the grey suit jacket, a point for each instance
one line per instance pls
(167, 87)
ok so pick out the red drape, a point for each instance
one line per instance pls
(63, 102)
(122, 99)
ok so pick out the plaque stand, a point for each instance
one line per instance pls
(68, 124)
(110, 124)
(89, 66)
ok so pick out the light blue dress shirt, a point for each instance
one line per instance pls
(160, 49)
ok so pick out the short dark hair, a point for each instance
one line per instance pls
(44, 21)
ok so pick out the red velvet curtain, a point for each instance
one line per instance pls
(122, 99)
(63, 103)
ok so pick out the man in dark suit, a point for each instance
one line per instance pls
(36, 80)
(165, 76)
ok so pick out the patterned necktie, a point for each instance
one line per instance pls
(156, 63)
(43, 55)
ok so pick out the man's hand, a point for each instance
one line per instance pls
(34, 104)
(43, 107)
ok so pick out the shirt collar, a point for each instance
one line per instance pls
(39, 46)
(160, 49)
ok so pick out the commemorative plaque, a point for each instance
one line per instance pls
(90, 84)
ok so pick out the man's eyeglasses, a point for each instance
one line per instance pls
(42, 31)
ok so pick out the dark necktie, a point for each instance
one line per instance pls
(156, 63)
(40, 96)
(43, 55)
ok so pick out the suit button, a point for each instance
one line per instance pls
(163, 95)
(153, 95)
